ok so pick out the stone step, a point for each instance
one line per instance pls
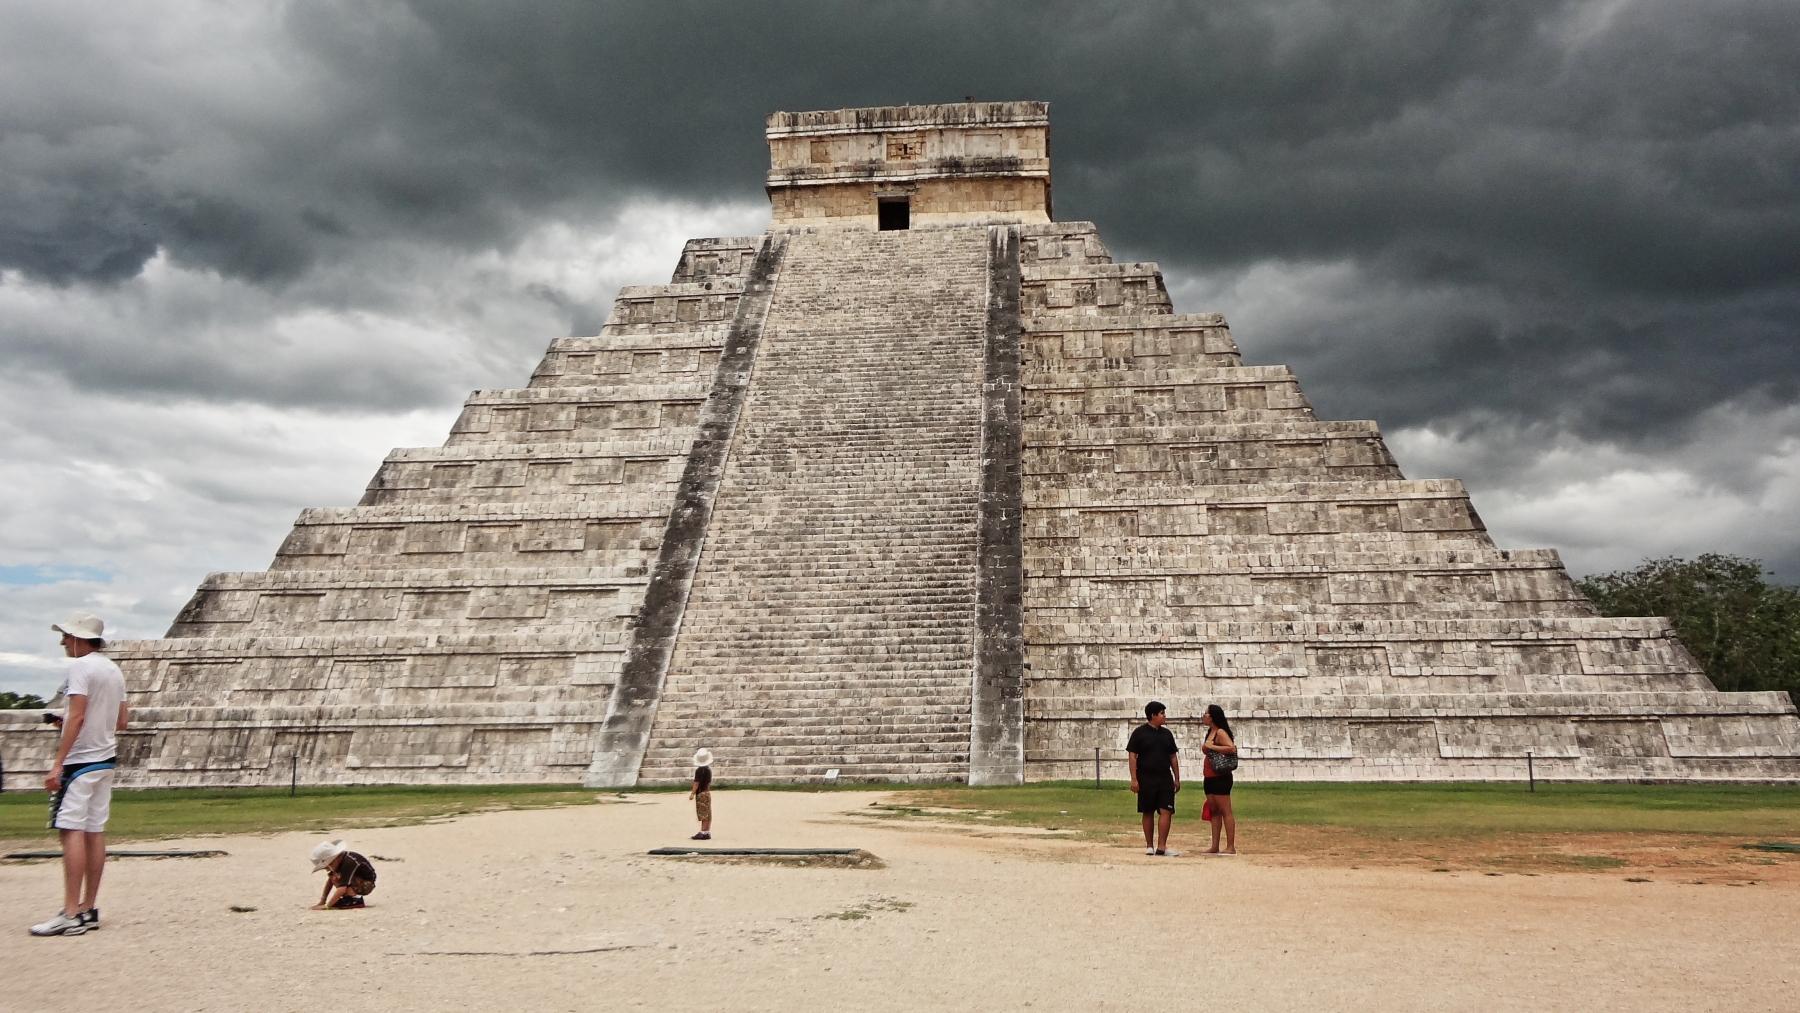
(705, 260)
(929, 667)
(841, 739)
(1036, 380)
(834, 739)
(858, 451)
(795, 713)
(685, 304)
(897, 773)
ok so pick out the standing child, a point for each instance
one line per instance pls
(1155, 763)
(702, 794)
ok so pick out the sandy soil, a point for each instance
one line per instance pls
(562, 910)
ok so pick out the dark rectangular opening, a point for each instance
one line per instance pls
(894, 214)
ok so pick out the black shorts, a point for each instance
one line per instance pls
(1220, 785)
(1154, 797)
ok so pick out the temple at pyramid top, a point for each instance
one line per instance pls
(900, 167)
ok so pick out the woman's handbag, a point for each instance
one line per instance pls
(1224, 763)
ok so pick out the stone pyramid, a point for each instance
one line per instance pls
(918, 485)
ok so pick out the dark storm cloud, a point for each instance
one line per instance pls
(1611, 190)
(245, 248)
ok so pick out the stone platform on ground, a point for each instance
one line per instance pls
(920, 485)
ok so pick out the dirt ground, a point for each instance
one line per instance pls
(1691, 859)
(562, 910)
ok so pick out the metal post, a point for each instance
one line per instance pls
(1530, 774)
(1096, 768)
(294, 783)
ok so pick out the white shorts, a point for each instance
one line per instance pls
(86, 802)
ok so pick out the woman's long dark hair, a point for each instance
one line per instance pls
(1217, 713)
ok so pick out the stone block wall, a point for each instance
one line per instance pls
(932, 203)
(1193, 534)
(470, 619)
(1092, 289)
(965, 164)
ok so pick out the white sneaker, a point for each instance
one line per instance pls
(61, 925)
(1147, 851)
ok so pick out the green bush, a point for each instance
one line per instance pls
(19, 701)
(1744, 631)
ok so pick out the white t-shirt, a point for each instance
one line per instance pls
(97, 678)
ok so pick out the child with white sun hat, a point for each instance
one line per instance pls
(702, 793)
(349, 877)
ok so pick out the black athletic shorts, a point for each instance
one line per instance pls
(1152, 797)
(1220, 785)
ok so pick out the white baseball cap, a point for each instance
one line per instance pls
(81, 626)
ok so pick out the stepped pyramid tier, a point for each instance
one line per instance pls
(919, 485)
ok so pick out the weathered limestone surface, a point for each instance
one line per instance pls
(947, 495)
(1193, 534)
(469, 620)
(831, 623)
(973, 164)
(619, 753)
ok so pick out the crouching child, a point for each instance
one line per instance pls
(349, 877)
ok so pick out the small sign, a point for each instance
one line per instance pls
(831, 775)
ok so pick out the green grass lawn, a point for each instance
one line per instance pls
(153, 814)
(1387, 811)
(1401, 811)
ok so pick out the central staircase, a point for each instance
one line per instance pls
(832, 618)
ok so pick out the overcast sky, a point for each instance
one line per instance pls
(1553, 248)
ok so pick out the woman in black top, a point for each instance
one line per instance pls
(1218, 785)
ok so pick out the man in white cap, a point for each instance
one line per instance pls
(702, 794)
(81, 776)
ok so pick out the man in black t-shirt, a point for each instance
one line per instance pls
(1155, 776)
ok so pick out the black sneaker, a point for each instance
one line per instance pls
(91, 919)
(701, 836)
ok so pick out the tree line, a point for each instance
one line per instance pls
(1743, 629)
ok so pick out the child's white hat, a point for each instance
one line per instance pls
(323, 854)
(703, 758)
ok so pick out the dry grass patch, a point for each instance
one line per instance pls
(1487, 828)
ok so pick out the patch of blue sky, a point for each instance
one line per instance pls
(31, 576)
